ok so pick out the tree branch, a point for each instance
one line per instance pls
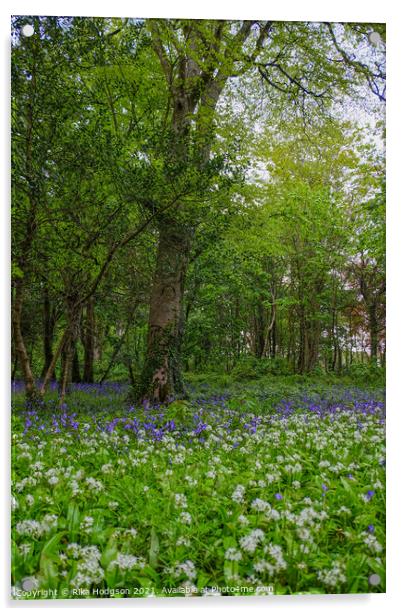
(360, 67)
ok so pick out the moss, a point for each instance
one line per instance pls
(163, 356)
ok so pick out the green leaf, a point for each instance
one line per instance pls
(229, 542)
(16, 272)
(111, 575)
(48, 571)
(154, 549)
(73, 520)
(51, 547)
(109, 554)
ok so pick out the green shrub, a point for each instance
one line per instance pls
(253, 368)
(366, 373)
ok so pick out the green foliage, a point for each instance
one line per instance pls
(253, 368)
(366, 374)
(282, 195)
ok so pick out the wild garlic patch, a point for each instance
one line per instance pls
(287, 497)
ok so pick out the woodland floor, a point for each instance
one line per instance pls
(275, 486)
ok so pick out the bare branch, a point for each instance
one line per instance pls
(360, 67)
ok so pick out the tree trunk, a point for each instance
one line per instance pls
(303, 348)
(74, 315)
(20, 348)
(259, 327)
(115, 353)
(268, 339)
(66, 345)
(50, 371)
(131, 373)
(340, 364)
(313, 337)
(63, 358)
(273, 341)
(373, 326)
(65, 374)
(89, 342)
(194, 94)
(15, 366)
(75, 367)
(48, 331)
(161, 376)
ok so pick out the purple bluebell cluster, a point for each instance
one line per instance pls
(102, 408)
(97, 389)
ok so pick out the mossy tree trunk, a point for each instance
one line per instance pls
(161, 375)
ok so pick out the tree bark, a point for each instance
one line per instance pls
(65, 375)
(301, 365)
(15, 366)
(73, 316)
(373, 327)
(89, 342)
(269, 341)
(66, 343)
(259, 327)
(161, 376)
(57, 353)
(48, 332)
(75, 367)
(20, 347)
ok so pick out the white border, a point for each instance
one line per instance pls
(307, 10)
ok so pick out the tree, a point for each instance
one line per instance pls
(143, 152)
(198, 59)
